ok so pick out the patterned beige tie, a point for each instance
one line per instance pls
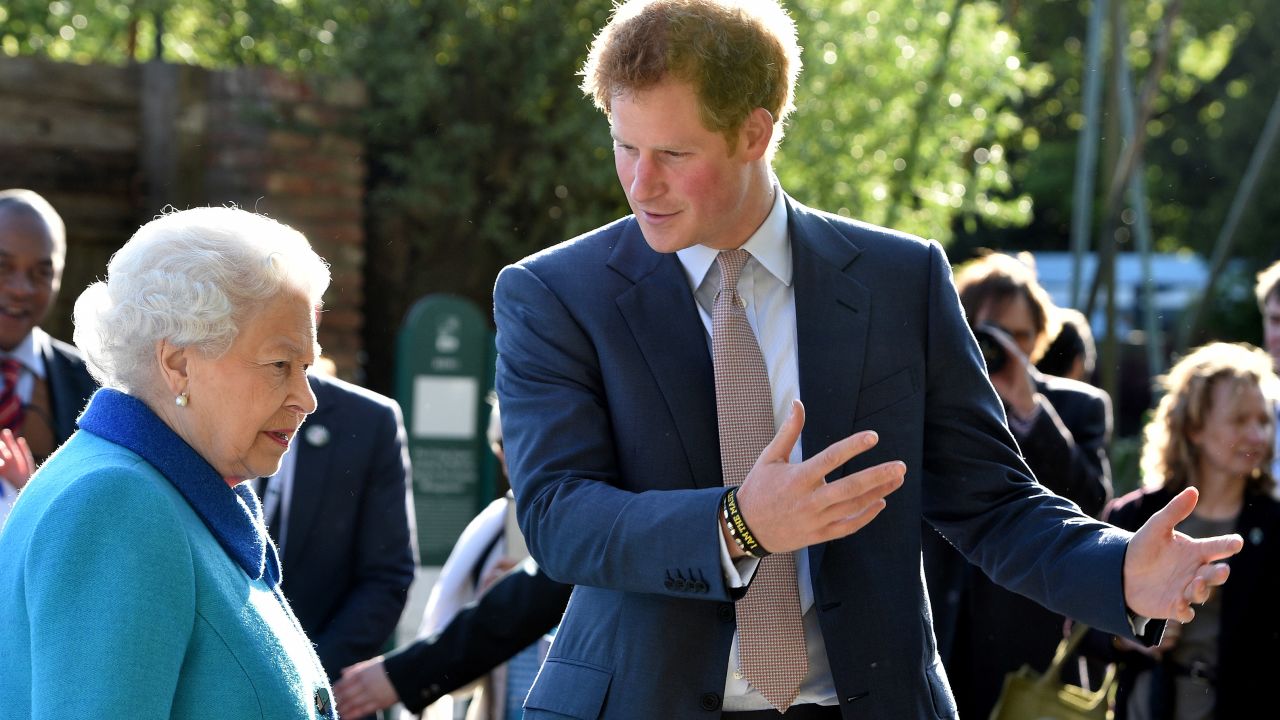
(770, 633)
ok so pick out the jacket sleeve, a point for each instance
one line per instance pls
(979, 492)
(110, 590)
(582, 526)
(384, 551)
(521, 607)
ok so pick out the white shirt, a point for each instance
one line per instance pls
(765, 286)
(278, 495)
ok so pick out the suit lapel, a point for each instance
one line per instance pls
(833, 313)
(56, 375)
(663, 318)
(310, 473)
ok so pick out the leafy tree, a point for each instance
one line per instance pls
(905, 112)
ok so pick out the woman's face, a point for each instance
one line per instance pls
(1237, 433)
(245, 406)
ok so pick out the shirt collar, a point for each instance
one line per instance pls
(769, 244)
(232, 515)
(30, 352)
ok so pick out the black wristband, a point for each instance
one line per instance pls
(738, 529)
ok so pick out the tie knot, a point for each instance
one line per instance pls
(731, 263)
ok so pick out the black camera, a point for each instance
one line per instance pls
(992, 351)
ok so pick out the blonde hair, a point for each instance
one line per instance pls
(1169, 459)
(1268, 284)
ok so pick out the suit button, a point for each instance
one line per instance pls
(324, 706)
(680, 585)
(669, 583)
(710, 701)
(702, 587)
(725, 612)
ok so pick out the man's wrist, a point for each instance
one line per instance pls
(736, 526)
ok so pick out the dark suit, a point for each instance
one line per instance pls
(609, 422)
(70, 386)
(349, 555)
(518, 609)
(985, 631)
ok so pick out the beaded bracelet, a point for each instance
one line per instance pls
(738, 529)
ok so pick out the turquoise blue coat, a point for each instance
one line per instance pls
(135, 583)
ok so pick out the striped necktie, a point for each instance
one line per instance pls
(11, 410)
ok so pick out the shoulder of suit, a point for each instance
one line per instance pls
(1053, 384)
(597, 243)
(863, 234)
(335, 389)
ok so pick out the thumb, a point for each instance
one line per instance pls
(779, 448)
(1177, 510)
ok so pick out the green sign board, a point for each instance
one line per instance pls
(444, 373)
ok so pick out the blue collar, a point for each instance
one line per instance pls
(233, 515)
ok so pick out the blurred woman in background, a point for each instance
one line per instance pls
(1212, 430)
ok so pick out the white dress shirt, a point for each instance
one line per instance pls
(765, 286)
(277, 496)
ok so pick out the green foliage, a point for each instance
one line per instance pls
(952, 119)
(904, 113)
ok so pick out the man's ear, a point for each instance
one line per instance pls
(173, 362)
(756, 134)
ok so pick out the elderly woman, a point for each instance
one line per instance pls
(137, 580)
(1213, 430)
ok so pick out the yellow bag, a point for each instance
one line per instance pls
(1028, 695)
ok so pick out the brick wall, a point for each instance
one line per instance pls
(112, 146)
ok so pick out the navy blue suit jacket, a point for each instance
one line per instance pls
(70, 387)
(349, 555)
(609, 421)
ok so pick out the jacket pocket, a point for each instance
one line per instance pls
(570, 688)
(880, 395)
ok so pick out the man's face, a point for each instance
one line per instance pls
(28, 276)
(1014, 317)
(1271, 327)
(681, 181)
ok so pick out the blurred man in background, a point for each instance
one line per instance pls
(43, 382)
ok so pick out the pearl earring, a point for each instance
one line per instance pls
(181, 400)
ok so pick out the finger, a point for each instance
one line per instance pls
(1214, 575)
(27, 461)
(1220, 547)
(872, 483)
(1177, 510)
(851, 524)
(779, 449)
(1184, 613)
(840, 452)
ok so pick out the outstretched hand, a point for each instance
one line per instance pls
(1165, 571)
(791, 505)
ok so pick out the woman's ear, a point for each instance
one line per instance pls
(173, 362)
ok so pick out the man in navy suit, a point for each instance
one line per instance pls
(342, 516)
(48, 384)
(609, 393)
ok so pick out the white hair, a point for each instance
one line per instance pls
(190, 277)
